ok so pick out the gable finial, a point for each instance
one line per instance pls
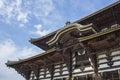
(68, 22)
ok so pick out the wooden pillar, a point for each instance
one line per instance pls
(35, 68)
(45, 70)
(86, 76)
(70, 66)
(37, 73)
(102, 76)
(51, 70)
(119, 73)
(45, 67)
(94, 61)
(67, 60)
(61, 68)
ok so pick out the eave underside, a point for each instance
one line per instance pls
(75, 57)
(101, 19)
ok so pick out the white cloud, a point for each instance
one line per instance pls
(1, 3)
(21, 11)
(10, 51)
(22, 17)
(39, 30)
(42, 8)
(12, 11)
(7, 48)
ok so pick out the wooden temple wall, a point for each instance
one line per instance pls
(108, 65)
(91, 53)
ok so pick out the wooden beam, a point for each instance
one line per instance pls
(70, 65)
(67, 60)
(51, 70)
(94, 64)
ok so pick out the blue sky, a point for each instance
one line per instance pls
(21, 20)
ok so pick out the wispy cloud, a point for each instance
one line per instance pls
(9, 50)
(51, 14)
(44, 8)
(39, 30)
(22, 11)
(11, 11)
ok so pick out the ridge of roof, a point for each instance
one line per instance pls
(35, 39)
(99, 11)
(92, 14)
(9, 63)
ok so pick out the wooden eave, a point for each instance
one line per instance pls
(10, 63)
(38, 41)
(54, 49)
(99, 34)
(41, 42)
(32, 40)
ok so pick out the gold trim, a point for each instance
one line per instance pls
(57, 35)
(54, 49)
(95, 13)
(98, 34)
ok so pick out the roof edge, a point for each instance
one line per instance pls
(92, 14)
(10, 63)
(35, 39)
(97, 12)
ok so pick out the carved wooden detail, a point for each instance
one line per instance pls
(109, 58)
(45, 70)
(85, 47)
(94, 64)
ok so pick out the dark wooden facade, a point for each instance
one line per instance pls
(88, 49)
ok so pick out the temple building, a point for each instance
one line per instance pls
(87, 49)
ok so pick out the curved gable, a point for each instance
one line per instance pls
(68, 28)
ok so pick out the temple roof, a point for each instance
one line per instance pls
(11, 63)
(99, 11)
(41, 42)
(77, 45)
